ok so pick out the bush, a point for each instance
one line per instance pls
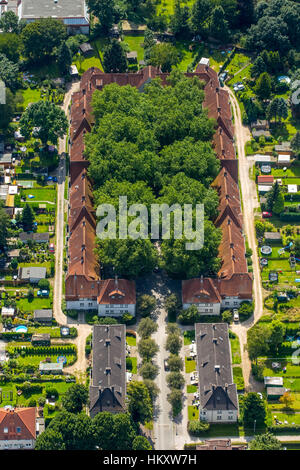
(197, 428)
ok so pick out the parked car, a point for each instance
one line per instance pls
(166, 366)
(266, 215)
(236, 316)
(55, 179)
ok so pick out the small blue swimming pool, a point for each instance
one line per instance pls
(21, 329)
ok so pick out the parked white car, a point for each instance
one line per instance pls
(236, 316)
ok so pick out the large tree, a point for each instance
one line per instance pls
(265, 442)
(254, 412)
(114, 58)
(9, 22)
(139, 402)
(27, 218)
(4, 227)
(258, 341)
(10, 45)
(42, 38)
(9, 72)
(201, 12)
(105, 11)
(164, 56)
(75, 398)
(113, 431)
(49, 120)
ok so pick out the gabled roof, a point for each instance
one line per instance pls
(23, 418)
(232, 249)
(117, 291)
(216, 388)
(199, 290)
(229, 197)
(108, 382)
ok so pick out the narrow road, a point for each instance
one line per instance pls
(83, 329)
(250, 202)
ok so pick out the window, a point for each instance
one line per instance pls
(5, 430)
(219, 417)
(230, 417)
(81, 305)
(227, 303)
(18, 430)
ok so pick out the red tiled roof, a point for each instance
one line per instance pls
(232, 249)
(23, 418)
(265, 179)
(200, 290)
(82, 273)
(229, 197)
(120, 291)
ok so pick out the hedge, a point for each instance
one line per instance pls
(292, 197)
(290, 216)
(51, 350)
(285, 428)
(197, 428)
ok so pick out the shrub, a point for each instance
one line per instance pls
(197, 428)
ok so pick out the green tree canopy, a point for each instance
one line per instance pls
(75, 398)
(164, 56)
(114, 58)
(265, 442)
(254, 411)
(42, 38)
(139, 402)
(49, 119)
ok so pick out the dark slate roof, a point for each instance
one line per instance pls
(216, 388)
(108, 382)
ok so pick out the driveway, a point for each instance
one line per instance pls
(160, 286)
(250, 202)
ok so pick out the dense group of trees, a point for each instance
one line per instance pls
(264, 338)
(206, 17)
(154, 147)
(276, 26)
(72, 429)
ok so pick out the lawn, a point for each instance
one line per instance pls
(35, 359)
(130, 339)
(235, 350)
(193, 413)
(47, 194)
(38, 303)
(135, 42)
(167, 6)
(190, 365)
(85, 63)
(191, 388)
(188, 336)
(134, 365)
(61, 387)
(30, 96)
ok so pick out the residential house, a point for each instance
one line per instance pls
(18, 428)
(217, 392)
(73, 13)
(84, 287)
(108, 376)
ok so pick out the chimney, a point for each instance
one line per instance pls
(116, 282)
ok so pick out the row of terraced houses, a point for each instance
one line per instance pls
(85, 290)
